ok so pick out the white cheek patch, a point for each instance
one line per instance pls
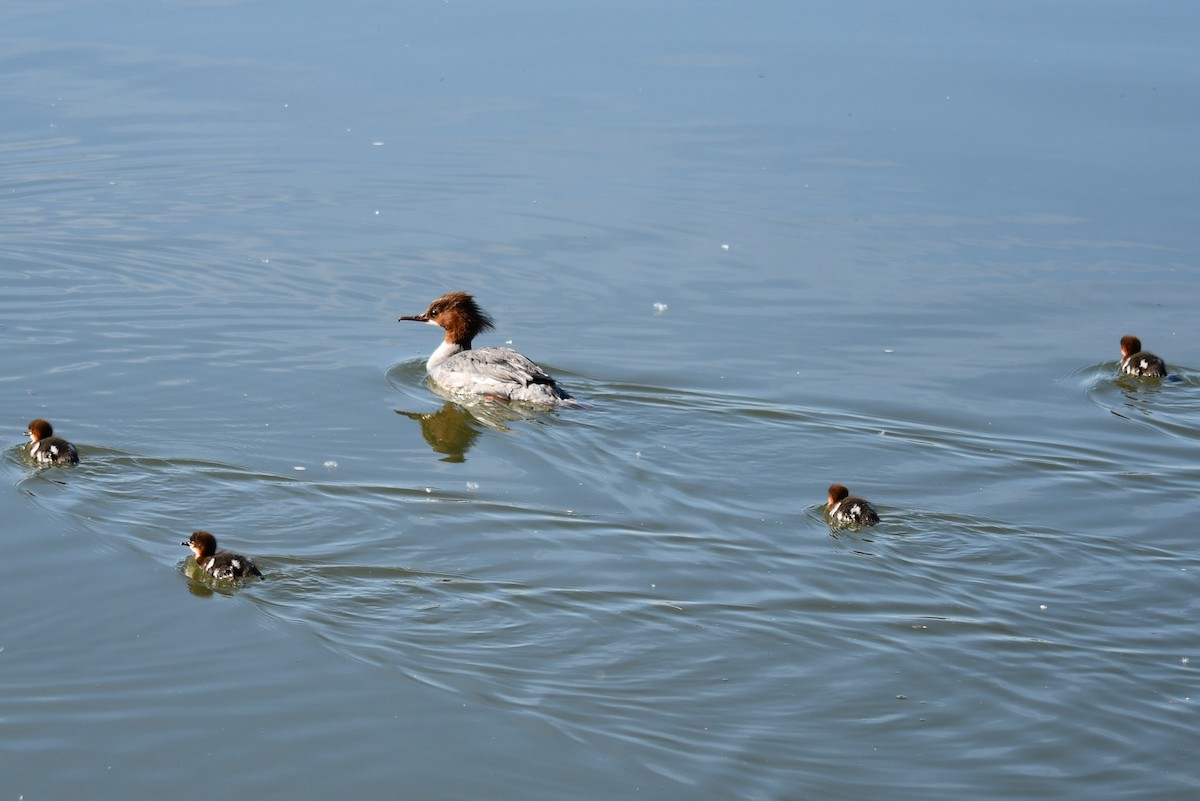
(430, 322)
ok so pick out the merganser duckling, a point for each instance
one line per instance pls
(223, 565)
(45, 447)
(846, 510)
(498, 372)
(1136, 361)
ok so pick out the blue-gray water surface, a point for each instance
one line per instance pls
(772, 246)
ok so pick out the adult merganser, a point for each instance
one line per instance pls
(45, 447)
(498, 372)
(846, 510)
(1136, 361)
(223, 565)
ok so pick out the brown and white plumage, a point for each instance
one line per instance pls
(498, 372)
(219, 564)
(1136, 361)
(47, 448)
(846, 510)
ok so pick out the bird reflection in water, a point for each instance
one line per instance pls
(453, 429)
(449, 431)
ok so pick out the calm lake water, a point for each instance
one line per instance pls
(774, 246)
